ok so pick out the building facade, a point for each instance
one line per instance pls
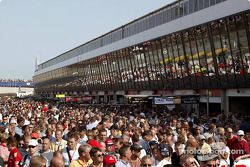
(189, 47)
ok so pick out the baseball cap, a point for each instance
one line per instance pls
(135, 147)
(164, 149)
(34, 135)
(94, 143)
(109, 142)
(153, 142)
(109, 160)
(240, 133)
(33, 142)
(202, 137)
(13, 121)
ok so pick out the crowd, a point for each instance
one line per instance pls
(39, 134)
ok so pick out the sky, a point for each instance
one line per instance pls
(48, 28)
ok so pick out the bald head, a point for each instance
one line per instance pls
(57, 162)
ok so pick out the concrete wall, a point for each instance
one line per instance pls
(13, 90)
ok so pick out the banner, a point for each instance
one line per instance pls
(164, 100)
(242, 163)
(190, 99)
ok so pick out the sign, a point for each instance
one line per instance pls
(60, 96)
(242, 163)
(190, 99)
(164, 100)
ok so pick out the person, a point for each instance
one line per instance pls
(135, 160)
(96, 155)
(125, 155)
(38, 161)
(56, 161)
(60, 143)
(33, 151)
(203, 147)
(146, 161)
(46, 152)
(166, 154)
(4, 151)
(84, 157)
(15, 157)
(187, 160)
(70, 152)
(240, 146)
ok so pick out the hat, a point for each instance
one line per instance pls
(153, 142)
(33, 142)
(163, 148)
(202, 137)
(13, 121)
(109, 142)
(206, 157)
(109, 160)
(34, 135)
(94, 143)
(240, 133)
(135, 147)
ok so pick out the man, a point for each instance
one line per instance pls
(70, 152)
(146, 161)
(125, 155)
(166, 153)
(15, 157)
(240, 146)
(135, 157)
(46, 152)
(33, 151)
(84, 157)
(97, 157)
(203, 147)
(188, 161)
(144, 141)
(103, 135)
(20, 123)
(4, 123)
(59, 144)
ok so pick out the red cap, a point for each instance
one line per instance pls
(94, 143)
(109, 160)
(109, 142)
(34, 135)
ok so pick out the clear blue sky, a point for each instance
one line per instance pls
(47, 28)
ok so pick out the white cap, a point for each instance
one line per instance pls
(240, 133)
(33, 142)
(13, 121)
(202, 137)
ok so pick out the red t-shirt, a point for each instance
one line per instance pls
(15, 158)
(230, 142)
(240, 148)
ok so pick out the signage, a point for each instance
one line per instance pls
(190, 99)
(60, 96)
(241, 163)
(164, 100)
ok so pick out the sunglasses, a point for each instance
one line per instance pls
(32, 146)
(147, 164)
(100, 155)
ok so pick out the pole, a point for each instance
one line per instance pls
(208, 102)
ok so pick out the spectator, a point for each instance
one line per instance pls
(84, 157)
(146, 161)
(46, 152)
(125, 155)
(60, 143)
(240, 146)
(97, 157)
(38, 161)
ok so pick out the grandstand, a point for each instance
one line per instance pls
(185, 49)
